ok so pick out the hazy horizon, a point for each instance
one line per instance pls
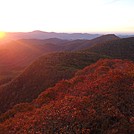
(28, 31)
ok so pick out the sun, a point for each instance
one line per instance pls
(2, 35)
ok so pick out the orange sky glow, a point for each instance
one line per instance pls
(91, 16)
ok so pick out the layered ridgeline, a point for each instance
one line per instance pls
(43, 73)
(83, 44)
(98, 100)
(46, 35)
(121, 48)
(16, 55)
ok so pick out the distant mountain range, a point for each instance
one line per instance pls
(46, 35)
(125, 35)
(65, 36)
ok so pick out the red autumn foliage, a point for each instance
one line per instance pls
(45, 72)
(98, 100)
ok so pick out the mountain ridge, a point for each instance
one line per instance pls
(98, 99)
(46, 35)
(39, 75)
(121, 48)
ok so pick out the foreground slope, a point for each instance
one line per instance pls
(121, 48)
(98, 100)
(43, 73)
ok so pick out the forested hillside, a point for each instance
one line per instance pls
(98, 100)
(121, 48)
(43, 73)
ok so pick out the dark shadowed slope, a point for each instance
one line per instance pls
(43, 73)
(98, 100)
(122, 48)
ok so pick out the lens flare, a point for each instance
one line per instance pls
(2, 35)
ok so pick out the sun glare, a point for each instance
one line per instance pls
(2, 35)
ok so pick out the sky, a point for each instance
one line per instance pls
(72, 16)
